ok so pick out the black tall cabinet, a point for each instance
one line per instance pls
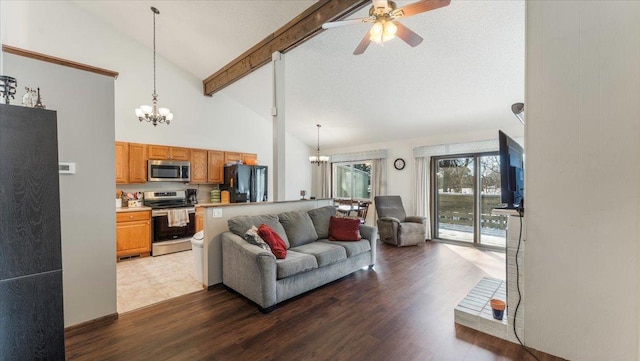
(31, 309)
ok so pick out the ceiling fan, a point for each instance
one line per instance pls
(384, 14)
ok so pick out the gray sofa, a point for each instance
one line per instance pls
(312, 260)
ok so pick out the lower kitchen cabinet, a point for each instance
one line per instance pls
(199, 219)
(133, 234)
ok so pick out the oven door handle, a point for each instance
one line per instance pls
(165, 212)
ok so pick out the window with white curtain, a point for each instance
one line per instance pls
(352, 180)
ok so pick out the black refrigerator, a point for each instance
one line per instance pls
(31, 305)
(246, 183)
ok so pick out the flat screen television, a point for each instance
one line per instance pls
(511, 172)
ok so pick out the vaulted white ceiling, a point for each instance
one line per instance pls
(463, 78)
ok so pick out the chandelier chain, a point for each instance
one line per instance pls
(154, 53)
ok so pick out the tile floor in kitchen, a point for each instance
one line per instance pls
(144, 281)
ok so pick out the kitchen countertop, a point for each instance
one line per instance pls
(254, 203)
(132, 209)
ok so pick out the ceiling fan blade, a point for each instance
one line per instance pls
(364, 43)
(419, 7)
(407, 35)
(336, 24)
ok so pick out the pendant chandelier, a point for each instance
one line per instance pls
(318, 159)
(152, 113)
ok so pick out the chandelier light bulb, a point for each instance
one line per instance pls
(164, 111)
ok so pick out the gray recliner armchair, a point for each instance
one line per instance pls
(394, 227)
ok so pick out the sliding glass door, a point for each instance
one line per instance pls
(466, 189)
(454, 200)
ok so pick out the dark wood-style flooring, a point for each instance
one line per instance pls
(401, 310)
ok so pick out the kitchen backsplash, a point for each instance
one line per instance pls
(203, 189)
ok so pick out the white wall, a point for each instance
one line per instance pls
(582, 178)
(238, 118)
(298, 169)
(84, 105)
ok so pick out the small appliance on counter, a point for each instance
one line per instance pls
(192, 196)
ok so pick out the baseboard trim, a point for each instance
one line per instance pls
(217, 286)
(91, 324)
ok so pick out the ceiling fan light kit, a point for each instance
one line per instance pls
(383, 15)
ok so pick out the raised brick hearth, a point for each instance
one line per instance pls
(474, 310)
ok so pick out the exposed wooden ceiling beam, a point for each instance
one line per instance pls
(292, 34)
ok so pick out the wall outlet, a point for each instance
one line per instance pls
(217, 213)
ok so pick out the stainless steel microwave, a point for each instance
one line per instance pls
(169, 171)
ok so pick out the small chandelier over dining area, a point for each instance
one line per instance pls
(151, 113)
(318, 159)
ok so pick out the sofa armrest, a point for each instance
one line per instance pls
(416, 219)
(249, 270)
(371, 234)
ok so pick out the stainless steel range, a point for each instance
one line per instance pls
(169, 239)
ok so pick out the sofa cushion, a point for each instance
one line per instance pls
(241, 224)
(254, 238)
(278, 248)
(344, 229)
(325, 253)
(299, 227)
(295, 263)
(320, 218)
(352, 248)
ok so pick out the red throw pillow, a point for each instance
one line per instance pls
(344, 229)
(273, 239)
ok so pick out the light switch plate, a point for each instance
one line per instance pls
(67, 167)
(217, 213)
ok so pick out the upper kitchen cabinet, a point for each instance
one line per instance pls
(232, 157)
(137, 163)
(122, 163)
(199, 166)
(163, 152)
(249, 158)
(215, 168)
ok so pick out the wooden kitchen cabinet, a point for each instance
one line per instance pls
(176, 153)
(122, 163)
(133, 234)
(137, 163)
(232, 157)
(199, 218)
(158, 152)
(163, 152)
(216, 165)
(199, 166)
(249, 158)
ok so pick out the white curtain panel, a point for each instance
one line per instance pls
(378, 183)
(422, 190)
(325, 174)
